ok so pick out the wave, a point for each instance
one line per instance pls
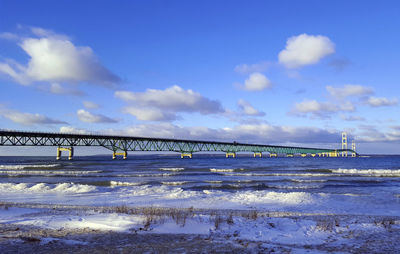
(46, 188)
(214, 182)
(370, 172)
(148, 175)
(116, 183)
(47, 172)
(172, 169)
(244, 197)
(307, 181)
(175, 183)
(265, 197)
(222, 169)
(278, 174)
(23, 166)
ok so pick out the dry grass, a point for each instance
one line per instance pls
(250, 215)
(386, 223)
(229, 220)
(4, 206)
(218, 220)
(328, 224)
(180, 215)
(155, 214)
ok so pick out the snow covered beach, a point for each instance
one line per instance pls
(282, 205)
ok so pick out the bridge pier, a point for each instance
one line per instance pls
(303, 155)
(273, 155)
(188, 155)
(124, 154)
(259, 154)
(289, 155)
(70, 151)
(229, 154)
(333, 154)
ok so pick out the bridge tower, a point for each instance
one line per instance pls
(353, 147)
(344, 144)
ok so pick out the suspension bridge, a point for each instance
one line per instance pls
(121, 145)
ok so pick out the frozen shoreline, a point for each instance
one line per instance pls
(46, 226)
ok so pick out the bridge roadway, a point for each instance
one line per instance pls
(120, 145)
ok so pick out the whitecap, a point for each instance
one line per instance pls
(46, 188)
(222, 169)
(172, 169)
(307, 181)
(47, 172)
(370, 172)
(116, 183)
(214, 182)
(23, 166)
(175, 183)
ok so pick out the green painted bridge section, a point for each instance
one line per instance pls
(120, 145)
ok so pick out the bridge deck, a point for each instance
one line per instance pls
(127, 143)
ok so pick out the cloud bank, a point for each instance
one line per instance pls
(164, 105)
(27, 118)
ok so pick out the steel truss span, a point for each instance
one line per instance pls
(126, 143)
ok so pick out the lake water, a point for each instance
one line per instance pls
(362, 185)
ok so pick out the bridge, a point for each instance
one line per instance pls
(121, 145)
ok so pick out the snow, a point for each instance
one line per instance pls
(46, 219)
(276, 230)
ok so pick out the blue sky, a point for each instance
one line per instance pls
(277, 72)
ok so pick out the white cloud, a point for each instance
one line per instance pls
(256, 82)
(54, 58)
(149, 114)
(313, 106)
(349, 90)
(90, 105)
(162, 105)
(27, 118)
(248, 109)
(321, 109)
(88, 117)
(249, 68)
(305, 49)
(69, 129)
(381, 101)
